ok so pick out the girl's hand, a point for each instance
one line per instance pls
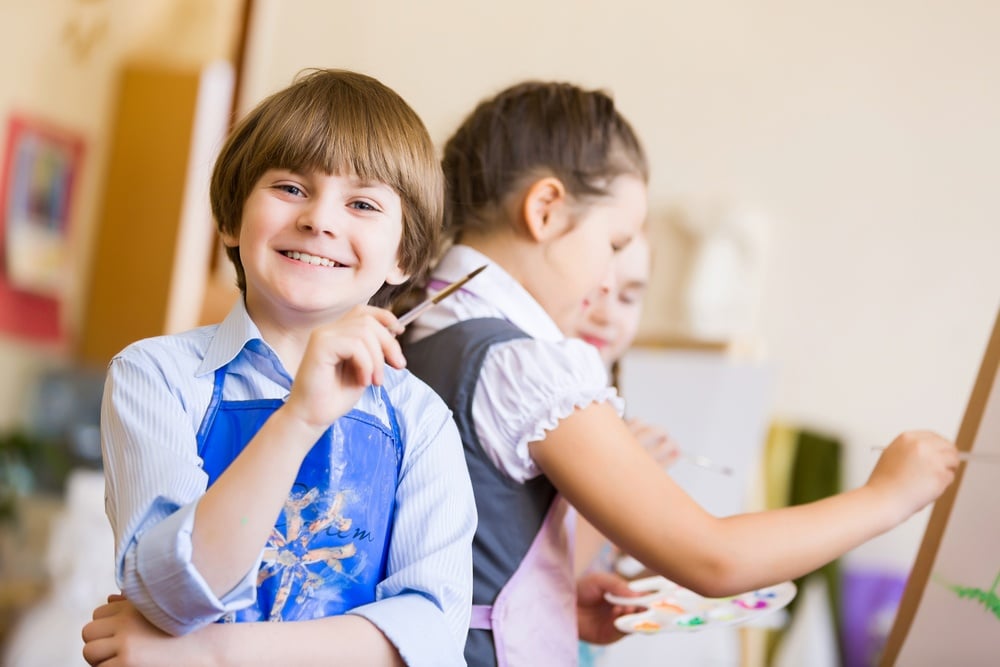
(656, 441)
(341, 360)
(595, 615)
(914, 470)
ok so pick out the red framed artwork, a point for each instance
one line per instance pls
(40, 170)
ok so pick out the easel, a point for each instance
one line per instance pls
(983, 409)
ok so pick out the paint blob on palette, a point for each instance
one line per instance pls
(672, 608)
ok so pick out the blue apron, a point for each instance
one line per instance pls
(328, 549)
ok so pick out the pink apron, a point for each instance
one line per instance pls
(533, 619)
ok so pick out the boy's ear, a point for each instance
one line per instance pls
(544, 208)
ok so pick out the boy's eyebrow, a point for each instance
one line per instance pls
(285, 170)
(355, 180)
(359, 182)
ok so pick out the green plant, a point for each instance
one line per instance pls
(988, 598)
(29, 462)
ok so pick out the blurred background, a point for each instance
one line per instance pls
(822, 203)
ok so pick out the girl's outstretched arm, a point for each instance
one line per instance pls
(664, 450)
(596, 463)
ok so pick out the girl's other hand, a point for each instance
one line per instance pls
(595, 615)
(914, 470)
(656, 441)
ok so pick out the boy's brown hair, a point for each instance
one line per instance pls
(528, 131)
(336, 121)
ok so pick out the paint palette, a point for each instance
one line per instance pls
(672, 608)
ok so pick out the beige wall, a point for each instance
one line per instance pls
(867, 133)
(60, 60)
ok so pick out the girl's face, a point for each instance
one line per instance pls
(610, 319)
(314, 245)
(579, 261)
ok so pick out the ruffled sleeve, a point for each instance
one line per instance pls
(525, 388)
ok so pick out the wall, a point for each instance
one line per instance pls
(866, 132)
(60, 60)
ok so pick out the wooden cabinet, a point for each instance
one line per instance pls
(153, 248)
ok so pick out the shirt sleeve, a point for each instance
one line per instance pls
(424, 604)
(525, 388)
(153, 479)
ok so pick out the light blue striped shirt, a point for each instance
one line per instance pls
(156, 393)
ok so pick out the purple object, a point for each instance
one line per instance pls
(869, 599)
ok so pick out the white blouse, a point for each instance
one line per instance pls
(526, 386)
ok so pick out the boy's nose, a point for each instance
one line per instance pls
(318, 221)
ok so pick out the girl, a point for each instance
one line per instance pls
(546, 182)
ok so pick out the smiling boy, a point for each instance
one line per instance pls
(282, 466)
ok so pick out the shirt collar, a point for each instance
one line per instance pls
(500, 290)
(236, 332)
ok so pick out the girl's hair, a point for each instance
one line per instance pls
(341, 122)
(528, 131)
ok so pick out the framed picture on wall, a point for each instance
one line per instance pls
(40, 171)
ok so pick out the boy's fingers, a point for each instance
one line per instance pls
(96, 652)
(105, 610)
(390, 322)
(373, 349)
(390, 349)
(384, 318)
(395, 328)
(384, 348)
(97, 629)
(381, 343)
(358, 357)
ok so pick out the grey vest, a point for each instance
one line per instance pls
(510, 513)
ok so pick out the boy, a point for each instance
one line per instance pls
(327, 196)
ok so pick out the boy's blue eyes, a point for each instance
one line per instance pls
(290, 189)
(297, 192)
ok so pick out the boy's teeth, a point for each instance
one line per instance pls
(310, 259)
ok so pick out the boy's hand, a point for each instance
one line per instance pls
(914, 470)
(341, 360)
(656, 441)
(119, 635)
(595, 615)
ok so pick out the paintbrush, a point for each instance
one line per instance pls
(706, 463)
(982, 457)
(418, 310)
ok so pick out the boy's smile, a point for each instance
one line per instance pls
(313, 245)
(311, 259)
